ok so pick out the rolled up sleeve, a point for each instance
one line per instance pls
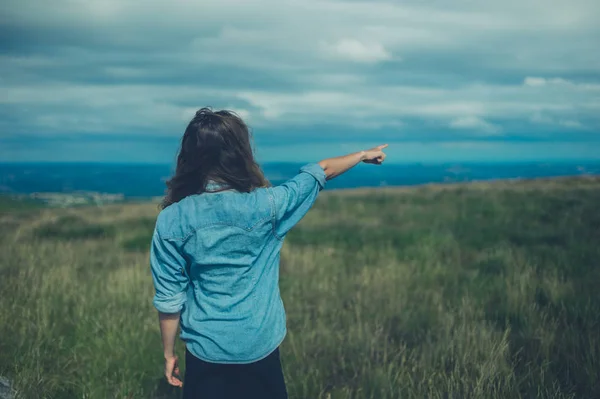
(168, 275)
(293, 199)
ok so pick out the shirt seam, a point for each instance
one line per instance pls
(194, 231)
(273, 216)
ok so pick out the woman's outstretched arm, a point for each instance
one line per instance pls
(334, 167)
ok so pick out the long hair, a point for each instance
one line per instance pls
(216, 146)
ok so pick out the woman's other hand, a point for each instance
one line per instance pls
(172, 371)
(374, 155)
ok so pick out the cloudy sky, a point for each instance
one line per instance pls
(451, 80)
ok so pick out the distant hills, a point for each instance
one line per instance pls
(108, 182)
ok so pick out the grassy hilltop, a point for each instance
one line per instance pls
(484, 290)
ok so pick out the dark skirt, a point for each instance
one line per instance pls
(262, 379)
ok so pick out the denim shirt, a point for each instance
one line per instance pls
(215, 257)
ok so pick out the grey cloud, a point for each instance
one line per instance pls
(139, 66)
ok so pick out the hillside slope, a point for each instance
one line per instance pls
(483, 290)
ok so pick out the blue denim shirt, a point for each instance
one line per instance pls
(215, 258)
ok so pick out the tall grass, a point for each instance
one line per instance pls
(476, 291)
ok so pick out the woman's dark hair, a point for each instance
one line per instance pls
(216, 146)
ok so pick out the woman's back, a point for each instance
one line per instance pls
(218, 254)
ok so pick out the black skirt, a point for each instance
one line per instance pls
(262, 379)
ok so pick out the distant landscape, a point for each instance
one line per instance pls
(105, 183)
(477, 290)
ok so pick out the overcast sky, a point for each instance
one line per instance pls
(451, 80)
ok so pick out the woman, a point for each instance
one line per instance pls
(215, 258)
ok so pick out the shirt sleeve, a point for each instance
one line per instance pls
(295, 197)
(168, 275)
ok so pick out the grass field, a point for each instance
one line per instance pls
(487, 290)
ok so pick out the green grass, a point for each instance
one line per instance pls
(486, 290)
(70, 227)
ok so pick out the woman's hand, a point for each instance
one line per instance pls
(374, 155)
(172, 371)
(334, 167)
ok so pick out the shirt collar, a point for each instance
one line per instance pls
(212, 185)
